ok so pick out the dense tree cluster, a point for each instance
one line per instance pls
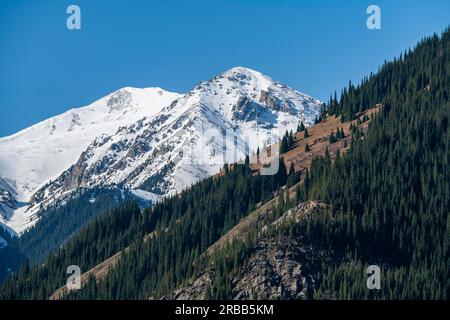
(10, 255)
(59, 222)
(339, 135)
(301, 127)
(287, 141)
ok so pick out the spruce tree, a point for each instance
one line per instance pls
(306, 134)
(332, 139)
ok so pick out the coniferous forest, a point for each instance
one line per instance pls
(389, 194)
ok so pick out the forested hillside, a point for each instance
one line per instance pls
(63, 220)
(390, 193)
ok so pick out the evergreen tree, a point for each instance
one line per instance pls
(284, 145)
(301, 127)
(306, 134)
(332, 139)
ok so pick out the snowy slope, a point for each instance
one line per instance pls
(38, 154)
(168, 152)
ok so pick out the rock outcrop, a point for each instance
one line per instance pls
(279, 267)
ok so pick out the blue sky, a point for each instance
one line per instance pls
(312, 46)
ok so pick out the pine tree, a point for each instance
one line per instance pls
(284, 145)
(332, 139)
(291, 139)
(306, 134)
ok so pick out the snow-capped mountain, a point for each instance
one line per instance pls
(38, 154)
(220, 120)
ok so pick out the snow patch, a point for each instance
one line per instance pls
(147, 196)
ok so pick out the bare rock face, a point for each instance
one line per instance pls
(280, 267)
(274, 271)
(303, 210)
(274, 103)
(197, 289)
(7, 202)
(7, 198)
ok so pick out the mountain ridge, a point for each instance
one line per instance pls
(238, 100)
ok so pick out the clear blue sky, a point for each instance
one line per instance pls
(312, 46)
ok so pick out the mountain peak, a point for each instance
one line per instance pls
(244, 70)
(245, 77)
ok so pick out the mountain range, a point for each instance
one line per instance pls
(150, 142)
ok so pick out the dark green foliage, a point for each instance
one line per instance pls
(339, 135)
(332, 138)
(291, 138)
(10, 256)
(193, 221)
(284, 145)
(104, 237)
(391, 191)
(59, 223)
(286, 142)
(416, 70)
(306, 134)
(322, 114)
